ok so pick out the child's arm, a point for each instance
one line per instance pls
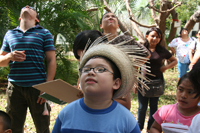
(155, 128)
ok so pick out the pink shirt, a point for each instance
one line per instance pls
(170, 114)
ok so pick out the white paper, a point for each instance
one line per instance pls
(174, 128)
(177, 24)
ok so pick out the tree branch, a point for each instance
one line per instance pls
(135, 27)
(169, 10)
(153, 13)
(92, 9)
(146, 26)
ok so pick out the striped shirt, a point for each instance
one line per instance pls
(35, 42)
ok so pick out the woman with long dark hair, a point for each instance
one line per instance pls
(156, 67)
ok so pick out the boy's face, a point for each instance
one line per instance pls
(109, 20)
(185, 95)
(99, 84)
(30, 12)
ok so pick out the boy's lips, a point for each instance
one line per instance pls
(90, 80)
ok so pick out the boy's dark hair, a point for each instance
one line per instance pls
(194, 77)
(82, 38)
(6, 120)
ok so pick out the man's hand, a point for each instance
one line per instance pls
(17, 56)
(41, 100)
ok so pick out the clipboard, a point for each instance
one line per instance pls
(59, 89)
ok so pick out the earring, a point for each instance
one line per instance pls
(19, 19)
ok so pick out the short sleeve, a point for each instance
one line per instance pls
(167, 54)
(173, 43)
(160, 114)
(48, 41)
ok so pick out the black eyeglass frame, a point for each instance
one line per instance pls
(104, 69)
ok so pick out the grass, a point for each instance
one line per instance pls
(168, 98)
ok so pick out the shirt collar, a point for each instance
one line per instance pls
(35, 27)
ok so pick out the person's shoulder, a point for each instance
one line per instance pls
(38, 27)
(176, 39)
(69, 106)
(167, 107)
(123, 110)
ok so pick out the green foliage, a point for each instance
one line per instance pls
(3, 73)
(65, 17)
(66, 68)
(186, 10)
(9, 14)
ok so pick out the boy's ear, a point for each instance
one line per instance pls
(101, 26)
(8, 131)
(117, 84)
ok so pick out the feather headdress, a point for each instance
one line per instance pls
(127, 54)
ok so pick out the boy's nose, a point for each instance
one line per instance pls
(27, 6)
(91, 72)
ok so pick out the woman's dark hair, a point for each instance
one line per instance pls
(185, 76)
(181, 31)
(158, 31)
(197, 31)
(6, 120)
(82, 38)
(194, 77)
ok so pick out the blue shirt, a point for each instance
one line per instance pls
(35, 42)
(76, 117)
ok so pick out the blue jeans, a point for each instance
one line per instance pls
(182, 69)
(143, 104)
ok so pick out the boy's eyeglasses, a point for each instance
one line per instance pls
(97, 69)
(30, 7)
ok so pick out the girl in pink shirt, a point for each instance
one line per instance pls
(188, 96)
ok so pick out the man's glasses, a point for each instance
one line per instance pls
(29, 7)
(97, 69)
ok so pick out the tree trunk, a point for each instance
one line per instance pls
(192, 21)
(173, 29)
(162, 21)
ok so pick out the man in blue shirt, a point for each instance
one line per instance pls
(24, 49)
